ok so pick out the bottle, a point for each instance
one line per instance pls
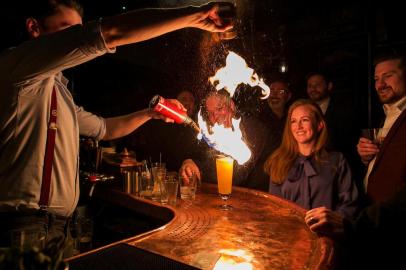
(170, 110)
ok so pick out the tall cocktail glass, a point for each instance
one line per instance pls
(224, 168)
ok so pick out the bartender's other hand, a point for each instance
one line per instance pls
(324, 221)
(188, 168)
(367, 150)
(210, 17)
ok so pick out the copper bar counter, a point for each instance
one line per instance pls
(261, 230)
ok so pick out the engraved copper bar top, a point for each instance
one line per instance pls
(262, 230)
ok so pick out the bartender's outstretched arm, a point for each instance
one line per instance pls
(140, 25)
(117, 127)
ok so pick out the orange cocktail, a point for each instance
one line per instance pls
(224, 167)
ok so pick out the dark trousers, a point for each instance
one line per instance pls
(33, 228)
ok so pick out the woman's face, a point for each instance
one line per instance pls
(303, 125)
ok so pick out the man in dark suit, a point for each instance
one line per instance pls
(375, 235)
(341, 119)
(272, 113)
(386, 172)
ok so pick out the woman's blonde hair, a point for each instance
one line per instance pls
(279, 162)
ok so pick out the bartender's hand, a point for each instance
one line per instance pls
(210, 19)
(188, 168)
(324, 221)
(156, 115)
(367, 150)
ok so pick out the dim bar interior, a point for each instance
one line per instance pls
(272, 39)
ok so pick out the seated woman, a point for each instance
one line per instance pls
(302, 171)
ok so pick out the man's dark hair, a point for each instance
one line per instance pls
(386, 54)
(40, 9)
(37, 9)
(325, 76)
(282, 80)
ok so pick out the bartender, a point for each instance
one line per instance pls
(39, 121)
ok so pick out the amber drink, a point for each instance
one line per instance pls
(224, 168)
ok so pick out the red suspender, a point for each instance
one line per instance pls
(49, 153)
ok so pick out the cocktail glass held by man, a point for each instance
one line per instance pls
(376, 135)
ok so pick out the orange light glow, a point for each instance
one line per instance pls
(234, 260)
(226, 140)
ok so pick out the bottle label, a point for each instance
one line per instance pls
(168, 109)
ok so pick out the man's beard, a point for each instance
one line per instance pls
(317, 96)
(388, 99)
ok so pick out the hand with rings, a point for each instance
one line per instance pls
(324, 221)
(310, 220)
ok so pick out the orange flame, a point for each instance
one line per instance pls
(226, 140)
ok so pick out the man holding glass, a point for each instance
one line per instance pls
(387, 162)
(375, 235)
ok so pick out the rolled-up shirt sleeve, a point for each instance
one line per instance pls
(91, 125)
(47, 55)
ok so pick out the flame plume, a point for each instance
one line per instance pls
(236, 72)
(227, 140)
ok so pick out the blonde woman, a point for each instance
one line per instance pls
(303, 171)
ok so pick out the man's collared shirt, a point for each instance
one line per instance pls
(28, 73)
(392, 112)
(323, 104)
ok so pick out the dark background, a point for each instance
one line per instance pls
(335, 36)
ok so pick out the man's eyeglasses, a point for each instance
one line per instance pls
(278, 91)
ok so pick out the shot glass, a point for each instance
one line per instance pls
(169, 191)
(146, 185)
(188, 187)
(172, 175)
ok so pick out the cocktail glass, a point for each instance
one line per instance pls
(224, 168)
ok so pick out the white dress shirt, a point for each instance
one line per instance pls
(392, 112)
(28, 73)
